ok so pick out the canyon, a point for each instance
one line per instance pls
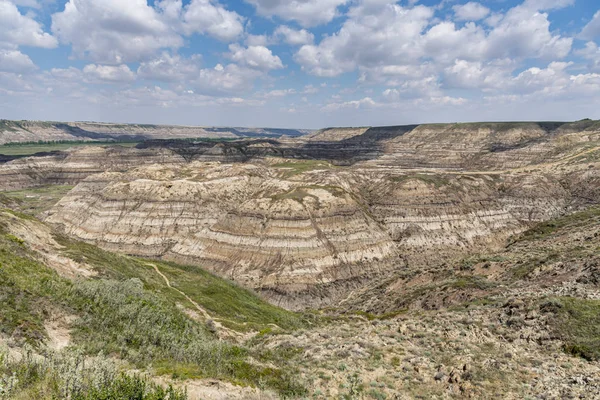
(306, 221)
(370, 223)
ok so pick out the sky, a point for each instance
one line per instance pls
(299, 63)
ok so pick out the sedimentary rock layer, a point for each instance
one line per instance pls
(240, 221)
(307, 232)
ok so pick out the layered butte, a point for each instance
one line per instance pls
(302, 245)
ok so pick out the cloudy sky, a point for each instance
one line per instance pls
(299, 63)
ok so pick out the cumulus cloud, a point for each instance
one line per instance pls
(477, 75)
(310, 89)
(511, 37)
(306, 12)
(552, 79)
(591, 52)
(292, 36)
(471, 11)
(20, 30)
(108, 73)
(207, 17)
(15, 61)
(592, 29)
(374, 34)
(113, 31)
(258, 57)
(279, 93)
(169, 68)
(383, 35)
(224, 80)
(366, 102)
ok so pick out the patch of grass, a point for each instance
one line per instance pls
(38, 200)
(228, 301)
(70, 377)
(577, 321)
(139, 321)
(293, 168)
(382, 317)
(470, 262)
(545, 229)
(523, 269)
(470, 282)
(237, 308)
(21, 308)
(435, 180)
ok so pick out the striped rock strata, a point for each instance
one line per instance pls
(302, 245)
(307, 240)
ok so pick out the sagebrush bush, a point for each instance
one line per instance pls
(72, 376)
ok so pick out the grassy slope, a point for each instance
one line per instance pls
(37, 200)
(130, 313)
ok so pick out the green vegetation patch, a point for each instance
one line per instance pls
(230, 304)
(435, 180)
(546, 229)
(293, 168)
(130, 313)
(38, 200)
(70, 376)
(577, 322)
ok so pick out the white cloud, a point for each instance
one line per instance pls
(591, 52)
(552, 79)
(15, 61)
(374, 35)
(257, 40)
(478, 75)
(310, 89)
(306, 12)
(524, 32)
(258, 57)
(208, 17)
(108, 73)
(20, 30)
(279, 93)
(381, 35)
(292, 36)
(113, 31)
(366, 102)
(169, 68)
(592, 29)
(448, 100)
(471, 11)
(224, 80)
(547, 4)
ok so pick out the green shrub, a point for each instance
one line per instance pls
(71, 376)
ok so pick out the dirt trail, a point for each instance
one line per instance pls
(222, 331)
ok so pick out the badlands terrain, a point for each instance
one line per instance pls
(424, 261)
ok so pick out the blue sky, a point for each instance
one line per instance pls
(299, 63)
